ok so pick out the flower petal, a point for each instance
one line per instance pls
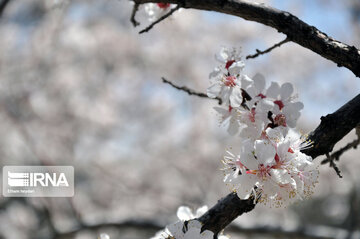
(286, 90)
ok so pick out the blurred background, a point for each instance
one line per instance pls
(79, 86)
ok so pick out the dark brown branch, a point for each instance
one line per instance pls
(333, 128)
(258, 52)
(3, 5)
(295, 29)
(226, 210)
(160, 19)
(190, 91)
(133, 13)
(334, 166)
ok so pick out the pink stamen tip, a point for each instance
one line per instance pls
(279, 103)
(290, 150)
(230, 81)
(230, 108)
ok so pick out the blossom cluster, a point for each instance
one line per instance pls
(187, 227)
(270, 158)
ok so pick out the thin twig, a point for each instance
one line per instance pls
(190, 91)
(258, 52)
(336, 156)
(133, 13)
(160, 19)
(333, 165)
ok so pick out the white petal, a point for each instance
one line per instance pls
(273, 91)
(236, 68)
(215, 73)
(235, 97)
(233, 127)
(184, 213)
(214, 90)
(246, 81)
(201, 211)
(259, 81)
(176, 229)
(194, 224)
(224, 55)
(207, 234)
(265, 152)
(286, 90)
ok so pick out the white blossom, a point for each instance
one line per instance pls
(104, 236)
(275, 165)
(226, 79)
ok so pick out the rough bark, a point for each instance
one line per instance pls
(334, 127)
(295, 29)
(225, 211)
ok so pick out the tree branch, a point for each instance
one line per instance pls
(190, 91)
(258, 52)
(225, 211)
(3, 5)
(333, 128)
(133, 13)
(336, 155)
(295, 29)
(160, 19)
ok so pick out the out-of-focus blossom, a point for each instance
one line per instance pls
(180, 230)
(104, 236)
(157, 10)
(192, 230)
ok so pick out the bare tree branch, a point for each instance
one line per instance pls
(226, 210)
(190, 91)
(133, 13)
(334, 166)
(3, 5)
(295, 29)
(160, 19)
(333, 128)
(258, 52)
